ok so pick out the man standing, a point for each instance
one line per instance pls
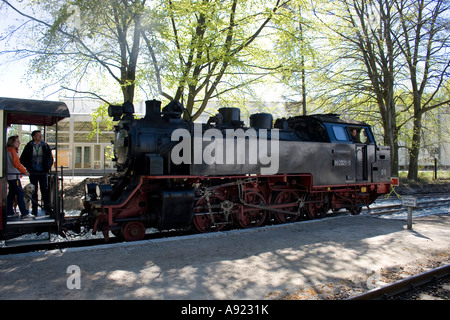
(37, 158)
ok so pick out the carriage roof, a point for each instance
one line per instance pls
(36, 112)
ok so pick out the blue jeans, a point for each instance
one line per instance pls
(15, 188)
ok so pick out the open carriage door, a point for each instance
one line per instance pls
(365, 154)
(361, 163)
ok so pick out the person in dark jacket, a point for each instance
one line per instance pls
(38, 159)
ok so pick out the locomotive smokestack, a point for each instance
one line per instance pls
(152, 108)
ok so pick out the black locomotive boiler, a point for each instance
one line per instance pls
(173, 173)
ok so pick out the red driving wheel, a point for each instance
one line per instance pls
(250, 217)
(203, 222)
(133, 231)
(286, 197)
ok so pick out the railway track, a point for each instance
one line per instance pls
(71, 241)
(423, 204)
(402, 289)
(78, 243)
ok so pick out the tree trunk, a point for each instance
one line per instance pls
(128, 92)
(391, 138)
(413, 169)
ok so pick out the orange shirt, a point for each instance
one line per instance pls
(15, 162)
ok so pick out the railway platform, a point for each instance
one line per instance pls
(272, 262)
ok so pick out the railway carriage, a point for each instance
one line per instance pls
(43, 114)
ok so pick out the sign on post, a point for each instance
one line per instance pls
(410, 203)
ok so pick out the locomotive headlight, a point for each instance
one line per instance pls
(89, 190)
(115, 112)
(103, 192)
(98, 191)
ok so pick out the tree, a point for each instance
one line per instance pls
(197, 49)
(365, 67)
(79, 39)
(294, 37)
(209, 48)
(424, 42)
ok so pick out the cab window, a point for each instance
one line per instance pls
(339, 133)
(360, 135)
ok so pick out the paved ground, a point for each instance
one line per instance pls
(314, 260)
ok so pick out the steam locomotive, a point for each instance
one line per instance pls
(173, 173)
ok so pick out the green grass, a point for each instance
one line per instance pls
(426, 177)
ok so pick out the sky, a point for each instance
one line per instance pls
(13, 73)
(12, 84)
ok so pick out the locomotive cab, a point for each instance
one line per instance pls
(369, 162)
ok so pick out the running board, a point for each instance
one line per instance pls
(26, 242)
(16, 231)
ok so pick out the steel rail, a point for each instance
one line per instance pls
(404, 285)
(399, 208)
